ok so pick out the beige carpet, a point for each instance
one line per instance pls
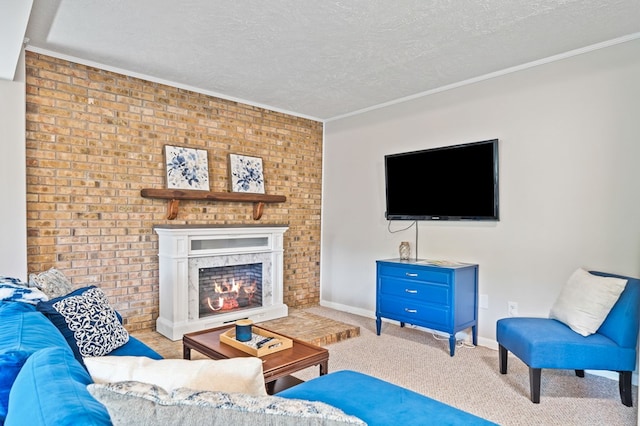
(470, 380)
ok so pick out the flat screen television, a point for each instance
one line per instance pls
(458, 182)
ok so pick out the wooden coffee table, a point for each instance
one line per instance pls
(277, 367)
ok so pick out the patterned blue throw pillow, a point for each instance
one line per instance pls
(15, 290)
(87, 321)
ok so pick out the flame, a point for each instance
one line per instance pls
(235, 287)
(227, 293)
(250, 288)
(220, 303)
(227, 288)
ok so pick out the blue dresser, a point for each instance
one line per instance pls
(437, 297)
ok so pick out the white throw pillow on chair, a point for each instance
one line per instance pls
(586, 300)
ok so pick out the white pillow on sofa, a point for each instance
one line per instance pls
(53, 283)
(586, 300)
(135, 403)
(242, 374)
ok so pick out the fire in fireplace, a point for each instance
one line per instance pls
(225, 289)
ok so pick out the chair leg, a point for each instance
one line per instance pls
(624, 382)
(502, 358)
(580, 373)
(534, 384)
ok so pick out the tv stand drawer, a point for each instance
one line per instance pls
(430, 316)
(441, 298)
(424, 274)
(416, 291)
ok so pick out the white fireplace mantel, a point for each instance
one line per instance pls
(183, 249)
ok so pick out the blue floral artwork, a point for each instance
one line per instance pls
(187, 168)
(246, 174)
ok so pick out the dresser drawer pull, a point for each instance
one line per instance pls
(409, 274)
(411, 291)
(410, 311)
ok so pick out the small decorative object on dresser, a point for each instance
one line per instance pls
(245, 174)
(187, 168)
(405, 250)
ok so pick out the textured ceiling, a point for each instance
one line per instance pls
(322, 59)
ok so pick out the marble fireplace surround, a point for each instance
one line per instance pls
(184, 249)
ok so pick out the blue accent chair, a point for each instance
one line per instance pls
(548, 343)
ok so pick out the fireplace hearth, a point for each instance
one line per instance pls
(211, 276)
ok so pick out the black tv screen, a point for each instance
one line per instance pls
(457, 182)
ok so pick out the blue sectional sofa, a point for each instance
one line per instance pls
(378, 402)
(45, 384)
(41, 379)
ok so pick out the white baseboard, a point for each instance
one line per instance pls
(349, 309)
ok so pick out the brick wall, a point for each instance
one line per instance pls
(95, 139)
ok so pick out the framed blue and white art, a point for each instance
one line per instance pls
(187, 168)
(245, 174)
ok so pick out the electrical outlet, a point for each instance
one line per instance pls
(512, 308)
(483, 301)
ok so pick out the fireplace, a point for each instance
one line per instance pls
(211, 276)
(229, 288)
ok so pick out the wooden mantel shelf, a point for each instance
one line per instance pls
(175, 195)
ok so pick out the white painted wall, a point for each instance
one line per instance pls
(13, 25)
(569, 183)
(13, 189)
